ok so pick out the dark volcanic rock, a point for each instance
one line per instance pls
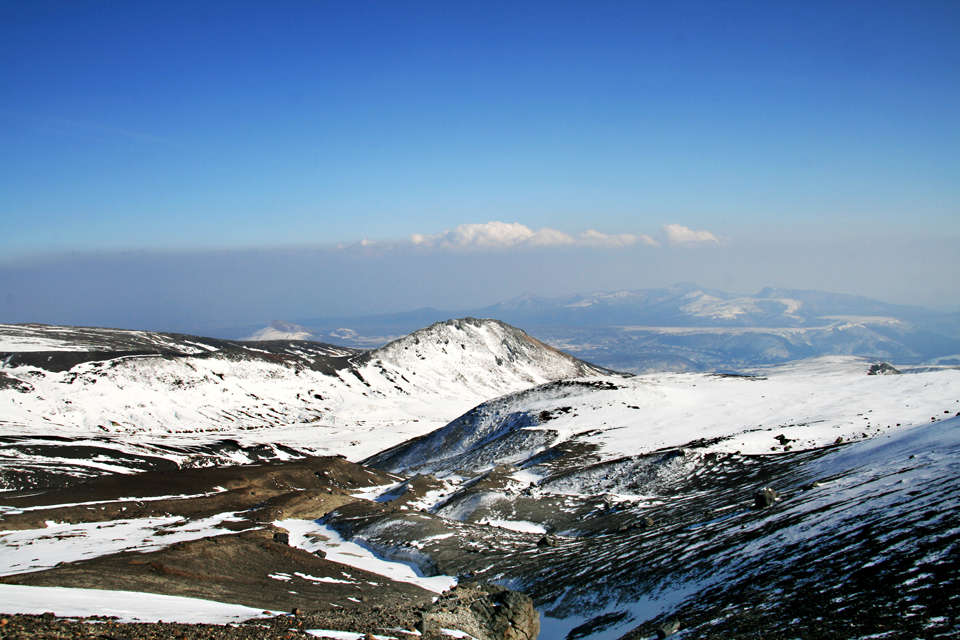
(765, 498)
(547, 541)
(668, 628)
(9, 382)
(485, 611)
(882, 369)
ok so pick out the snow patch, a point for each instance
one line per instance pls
(128, 606)
(521, 526)
(313, 536)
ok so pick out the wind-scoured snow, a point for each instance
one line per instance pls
(37, 337)
(16, 510)
(886, 508)
(27, 550)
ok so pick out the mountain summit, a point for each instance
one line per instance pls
(279, 330)
(476, 347)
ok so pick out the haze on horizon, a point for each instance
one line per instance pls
(175, 165)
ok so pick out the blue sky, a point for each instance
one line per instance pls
(182, 126)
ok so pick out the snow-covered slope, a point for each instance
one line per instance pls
(476, 354)
(120, 390)
(810, 404)
(651, 493)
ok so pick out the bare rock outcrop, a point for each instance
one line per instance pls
(487, 612)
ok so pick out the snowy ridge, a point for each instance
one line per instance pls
(40, 337)
(133, 390)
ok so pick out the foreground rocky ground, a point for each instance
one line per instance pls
(851, 540)
(480, 610)
(243, 559)
(16, 627)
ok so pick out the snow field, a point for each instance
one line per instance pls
(127, 606)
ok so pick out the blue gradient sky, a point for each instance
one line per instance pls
(200, 126)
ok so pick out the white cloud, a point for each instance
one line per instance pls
(507, 235)
(594, 238)
(681, 236)
(492, 235)
(547, 237)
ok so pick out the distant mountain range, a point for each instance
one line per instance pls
(682, 327)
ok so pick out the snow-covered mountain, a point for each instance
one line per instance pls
(279, 330)
(164, 397)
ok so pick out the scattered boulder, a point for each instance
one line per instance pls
(597, 624)
(282, 537)
(668, 628)
(765, 498)
(547, 541)
(9, 382)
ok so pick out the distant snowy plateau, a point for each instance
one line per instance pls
(684, 328)
(816, 498)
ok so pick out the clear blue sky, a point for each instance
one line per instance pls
(209, 125)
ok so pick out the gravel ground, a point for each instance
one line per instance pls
(51, 627)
